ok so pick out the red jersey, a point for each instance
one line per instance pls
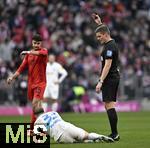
(36, 65)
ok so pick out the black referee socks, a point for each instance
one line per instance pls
(113, 119)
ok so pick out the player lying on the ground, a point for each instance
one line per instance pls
(64, 132)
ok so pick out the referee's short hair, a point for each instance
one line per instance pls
(37, 38)
(102, 29)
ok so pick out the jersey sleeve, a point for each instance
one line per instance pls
(109, 52)
(62, 72)
(23, 64)
(43, 52)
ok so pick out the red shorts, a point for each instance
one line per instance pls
(36, 92)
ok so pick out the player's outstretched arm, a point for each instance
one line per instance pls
(29, 52)
(96, 18)
(41, 52)
(11, 78)
(19, 70)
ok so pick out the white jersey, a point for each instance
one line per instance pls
(57, 128)
(53, 71)
(51, 121)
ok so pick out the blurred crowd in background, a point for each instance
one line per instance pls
(68, 31)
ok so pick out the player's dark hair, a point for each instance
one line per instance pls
(37, 38)
(102, 29)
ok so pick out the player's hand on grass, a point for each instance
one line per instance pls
(96, 18)
(9, 79)
(98, 87)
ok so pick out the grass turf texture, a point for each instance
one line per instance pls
(134, 128)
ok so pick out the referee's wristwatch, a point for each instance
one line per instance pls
(100, 81)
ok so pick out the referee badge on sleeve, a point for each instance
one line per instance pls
(109, 53)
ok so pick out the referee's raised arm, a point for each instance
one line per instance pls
(97, 19)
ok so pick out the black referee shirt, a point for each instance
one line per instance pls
(110, 51)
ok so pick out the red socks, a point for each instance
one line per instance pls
(33, 119)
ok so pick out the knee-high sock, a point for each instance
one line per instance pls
(113, 119)
(33, 118)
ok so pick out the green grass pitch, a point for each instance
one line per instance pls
(134, 128)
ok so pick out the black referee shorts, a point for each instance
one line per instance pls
(110, 89)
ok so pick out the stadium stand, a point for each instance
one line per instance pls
(68, 31)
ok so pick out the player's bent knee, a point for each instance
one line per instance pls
(53, 100)
(85, 136)
(36, 104)
(82, 135)
(109, 105)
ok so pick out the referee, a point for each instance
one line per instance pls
(109, 78)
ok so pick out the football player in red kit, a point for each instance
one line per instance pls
(35, 61)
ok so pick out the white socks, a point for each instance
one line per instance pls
(54, 106)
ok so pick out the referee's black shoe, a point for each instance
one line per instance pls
(115, 137)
